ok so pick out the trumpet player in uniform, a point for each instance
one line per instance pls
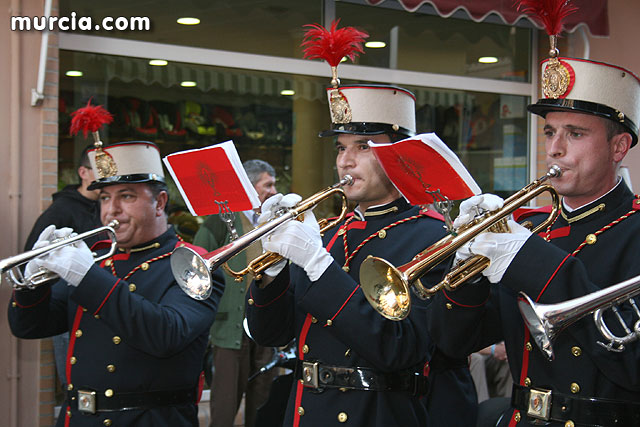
(590, 122)
(137, 340)
(354, 366)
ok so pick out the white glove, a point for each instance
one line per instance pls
(500, 248)
(276, 268)
(476, 206)
(268, 211)
(46, 237)
(301, 243)
(275, 203)
(70, 262)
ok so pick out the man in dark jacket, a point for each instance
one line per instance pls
(137, 340)
(356, 366)
(591, 121)
(75, 206)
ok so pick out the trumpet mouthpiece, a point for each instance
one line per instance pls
(114, 223)
(554, 172)
(346, 180)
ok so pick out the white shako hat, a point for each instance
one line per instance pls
(371, 110)
(590, 87)
(126, 163)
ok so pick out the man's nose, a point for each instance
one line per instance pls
(346, 159)
(556, 146)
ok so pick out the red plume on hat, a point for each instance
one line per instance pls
(550, 12)
(89, 119)
(332, 45)
(558, 76)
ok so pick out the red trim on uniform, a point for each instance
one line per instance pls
(13, 297)
(296, 418)
(200, 387)
(392, 88)
(301, 342)
(101, 244)
(572, 78)
(551, 278)
(431, 214)
(303, 334)
(558, 232)
(524, 367)
(343, 304)
(522, 213)
(270, 302)
(465, 305)
(72, 342)
(594, 62)
(331, 242)
(107, 297)
(117, 257)
(426, 369)
(636, 204)
(358, 225)
(513, 422)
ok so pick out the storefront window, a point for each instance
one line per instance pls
(271, 27)
(427, 43)
(276, 117)
(413, 41)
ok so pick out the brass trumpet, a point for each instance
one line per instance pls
(546, 321)
(387, 288)
(193, 271)
(10, 267)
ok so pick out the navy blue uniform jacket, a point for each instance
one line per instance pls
(482, 314)
(334, 324)
(138, 335)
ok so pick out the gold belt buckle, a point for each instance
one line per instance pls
(539, 405)
(310, 374)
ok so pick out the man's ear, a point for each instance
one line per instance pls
(621, 144)
(161, 200)
(86, 174)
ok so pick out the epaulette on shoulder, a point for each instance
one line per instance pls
(636, 203)
(523, 213)
(431, 214)
(197, 249)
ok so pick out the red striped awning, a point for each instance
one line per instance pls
(591, 13)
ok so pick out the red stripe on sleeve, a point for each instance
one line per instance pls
(343, 304)
(107, 297)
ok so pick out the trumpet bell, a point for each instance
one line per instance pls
(542, 331)
(385, 288)
(192, 273)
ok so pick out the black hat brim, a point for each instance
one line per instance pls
(546, 105)
(125, 179)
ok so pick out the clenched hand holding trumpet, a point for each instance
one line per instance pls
(58, 253)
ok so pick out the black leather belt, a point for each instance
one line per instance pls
(319, 376)
(551, 405)
(91, 401)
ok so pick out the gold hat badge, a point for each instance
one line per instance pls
(90, 119)
(558, 76)
(333, 46)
